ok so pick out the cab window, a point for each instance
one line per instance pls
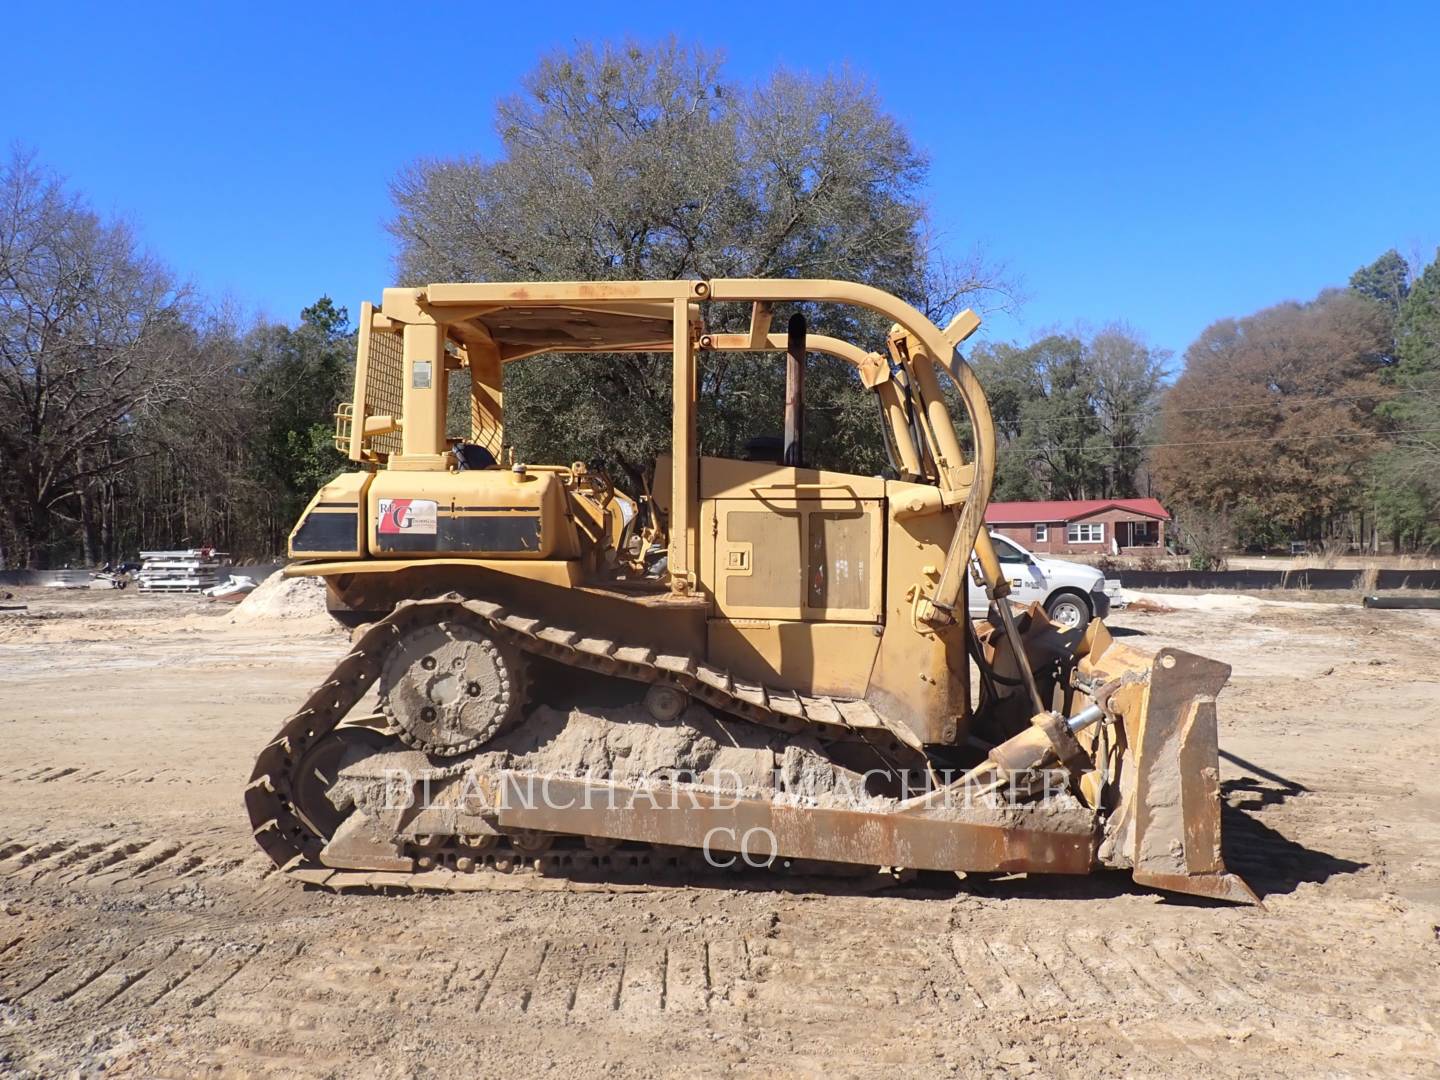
(1007, 551)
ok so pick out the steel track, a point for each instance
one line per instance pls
(295, 845)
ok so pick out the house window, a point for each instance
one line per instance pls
(1042, 533)
(1087, 532)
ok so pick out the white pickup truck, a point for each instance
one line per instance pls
(1071, 593)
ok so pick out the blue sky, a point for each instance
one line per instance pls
(1163, 164)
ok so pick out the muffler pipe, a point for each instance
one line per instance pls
(795, 393)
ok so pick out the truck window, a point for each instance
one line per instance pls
(1007, 551)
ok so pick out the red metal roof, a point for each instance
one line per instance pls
(1025, 513)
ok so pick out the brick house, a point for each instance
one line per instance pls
(1083, 526)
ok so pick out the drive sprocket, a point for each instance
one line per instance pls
(449, 687)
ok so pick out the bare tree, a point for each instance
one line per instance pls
(1128, 376)
(93, 338)
(1205, 534)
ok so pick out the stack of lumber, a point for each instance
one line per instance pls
(66, 579)
(180, 571)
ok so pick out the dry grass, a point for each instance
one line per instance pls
(1331, 561)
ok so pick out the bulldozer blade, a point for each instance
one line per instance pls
(1175, 763)
(1224, 886)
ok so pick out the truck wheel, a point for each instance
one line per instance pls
(1068, 609)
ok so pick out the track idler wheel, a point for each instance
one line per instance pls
(450, 687)
(319, 769)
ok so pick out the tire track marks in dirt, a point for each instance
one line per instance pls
(121, 975)
(112, 864)
(1128, 969)
(298, 1009)
(26, 854)
(169, 974)
(513, 985)
(583, 980)
(146, 973)
(70, 980)
(1196, 994)
(642, 989)
(76, 774)
(1163, 997)
(213, 975)
(602, 974)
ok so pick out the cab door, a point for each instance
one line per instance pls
(794, 563)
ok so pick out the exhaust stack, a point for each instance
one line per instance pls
(795, 393)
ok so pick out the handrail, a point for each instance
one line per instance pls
(970, 515)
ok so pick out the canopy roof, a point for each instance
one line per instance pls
(528, 318)
(522, 331)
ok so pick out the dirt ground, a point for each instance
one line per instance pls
(141, 934)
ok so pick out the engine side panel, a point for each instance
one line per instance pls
(491, 513)
(333, 525)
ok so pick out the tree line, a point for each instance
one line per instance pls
(134, 415)
(1315, 420)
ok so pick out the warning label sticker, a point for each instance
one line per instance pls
(416, 516)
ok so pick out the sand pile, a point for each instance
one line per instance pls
(298, 600)
(1223, 603)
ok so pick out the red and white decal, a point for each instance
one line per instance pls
(407, 516)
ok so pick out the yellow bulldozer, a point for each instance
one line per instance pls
(752, 663)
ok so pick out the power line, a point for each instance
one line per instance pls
(1232, 442)
(1303, 400)
(1279, 401)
